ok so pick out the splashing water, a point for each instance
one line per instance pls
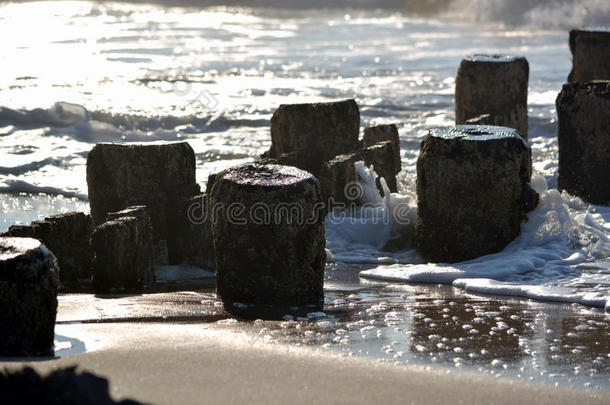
(561, 255)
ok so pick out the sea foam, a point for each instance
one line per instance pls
(562, 254)
(356, 235)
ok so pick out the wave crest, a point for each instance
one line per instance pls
(533, 13)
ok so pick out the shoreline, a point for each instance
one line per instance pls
(401, 326)
(191, 364)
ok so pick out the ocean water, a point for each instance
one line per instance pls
(77, 73)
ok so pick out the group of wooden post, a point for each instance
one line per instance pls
(262, 224)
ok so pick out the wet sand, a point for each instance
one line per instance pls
(196, 363)
(392, 343)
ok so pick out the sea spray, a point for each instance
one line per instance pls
(371, 225)
(562, 255)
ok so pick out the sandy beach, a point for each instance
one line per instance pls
(188, 364)
(183, 347)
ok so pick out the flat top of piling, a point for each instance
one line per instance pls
(476, 133)
(599, 89)
(143, 143)
(605, 30)
(587, 84)
(13, 247)
(492, 58)
(319, 104)
(266, 175)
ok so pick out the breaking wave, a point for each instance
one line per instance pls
(530, 13)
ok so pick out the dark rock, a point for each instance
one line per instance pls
(472, 190)
(157, 175)
(317, 132)
(590, 54)
(268, 227)
(67, 236)
(494, 85)
(194, 243)
(61, 387)
(381, 156)
(335, 178)
(123, 251)
(584, 140)
(381, 133)
(29, 282)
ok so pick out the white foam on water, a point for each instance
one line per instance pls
(44, 150)
(539, 13)
(60, 114)
(366, 226)
(75, 121)
(540, 292)
(562, 254)
(358, 234)
(12, 186)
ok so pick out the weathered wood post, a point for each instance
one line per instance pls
(268, 227)
(159, 175)
(314, 133)
(67, 236)
(590, 54)
(123, 251)
(29, 282)
(473, 191)
(494, 87)
(584, 140)
(376, 153)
